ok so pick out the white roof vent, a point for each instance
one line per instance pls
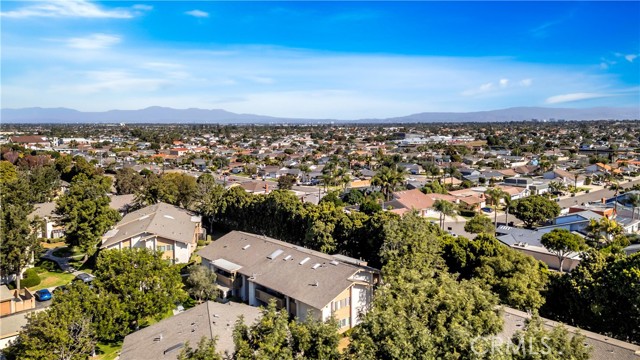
(169, 217)
(275, 254)
(334, 262)
(315, 266)
(304, 261)
(288, 257)
(246, 247)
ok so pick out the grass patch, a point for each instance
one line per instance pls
(47, 245)
(52, 278)
(68, 252)
(108, 351)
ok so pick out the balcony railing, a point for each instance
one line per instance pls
(266, 297)
(227, 281)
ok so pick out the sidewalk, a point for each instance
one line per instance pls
(63, 262)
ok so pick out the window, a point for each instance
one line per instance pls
(161, 248)
(336, 305)
(344, 322)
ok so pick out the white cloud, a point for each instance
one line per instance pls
(197, 13)
(67, 8)
(564, 98)
(630, 57)
(526, 82)
(604, 66)
(142, 7)
(93, 42)
(297, 83)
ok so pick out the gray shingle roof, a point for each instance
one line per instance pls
(161, 219)
(603, 347)
(289, 276)
(162, 340)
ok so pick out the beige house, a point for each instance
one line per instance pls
(259, 269)
(13, 301)
(161, 227)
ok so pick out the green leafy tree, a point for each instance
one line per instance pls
(128, 181)
(206, 350)
(561, 242)
(353, 197)
(202, 283)
(146, 285)
(538, 343)
(518, 279)
(184, 186)
(44, 181)
(85, 212)
(274, 336)
(421, 317)
(8, 172)
(600, 294)
(535, 209)
(61, 332)
(479, 224)
(286, 182)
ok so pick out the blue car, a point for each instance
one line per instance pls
(486, 209)
(43, 295)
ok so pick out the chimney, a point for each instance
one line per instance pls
(604, 200)
(266, 188)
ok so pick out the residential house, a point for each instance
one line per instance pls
(577, 221)
(470, 199)
(528, 242)
(160, 227)
(564, 176)
(30, 141)
(515, 192)
(166, 339)
(415, 200)
(269, 172)
(258, 186)
(13, 301)
(259, 269)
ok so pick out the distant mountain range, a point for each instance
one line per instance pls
(157, 114)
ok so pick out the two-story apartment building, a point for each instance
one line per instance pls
(258, 269)
(172, 230)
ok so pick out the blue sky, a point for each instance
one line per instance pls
(342, 60)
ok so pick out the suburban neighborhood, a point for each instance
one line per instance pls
(314, 225)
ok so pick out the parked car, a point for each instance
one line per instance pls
(486, 209)
(84, 277)
(43, 295)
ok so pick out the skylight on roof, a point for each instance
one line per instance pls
(169, 217)
(315, 266)
(287, 257)
(334, 262)
(304, 261)
(275, 254)
(246, 247)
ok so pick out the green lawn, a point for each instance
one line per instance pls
(107, 351)
(52, 278)
(66, 251)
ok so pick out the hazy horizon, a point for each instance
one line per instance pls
(327, 60)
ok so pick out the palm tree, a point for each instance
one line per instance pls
(387, 179)
(445, 208)
(496, 194)
(634, 201)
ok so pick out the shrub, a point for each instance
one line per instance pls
(31, 279)
(468, 213)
